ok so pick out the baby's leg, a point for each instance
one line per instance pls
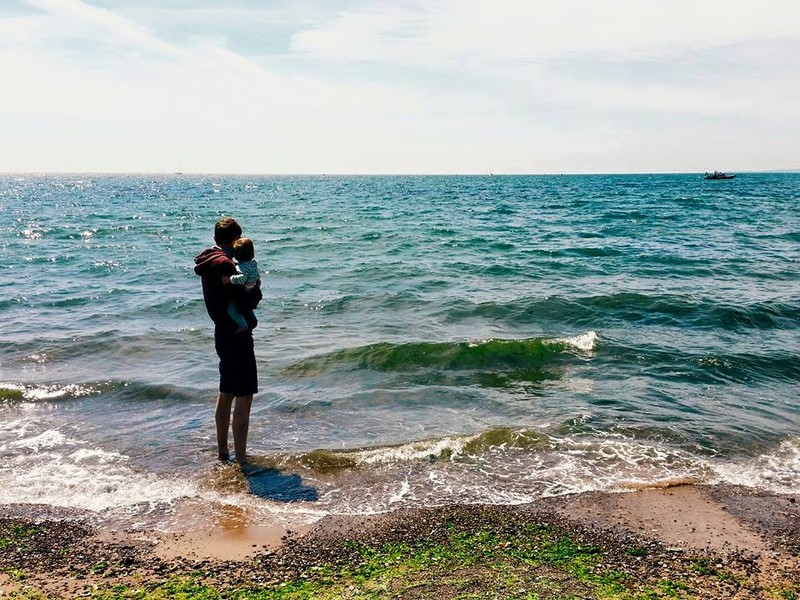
(234, 314)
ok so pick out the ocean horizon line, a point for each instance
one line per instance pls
(356, 174)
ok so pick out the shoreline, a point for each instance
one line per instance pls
(750, 534)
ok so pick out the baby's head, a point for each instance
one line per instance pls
(243, 249)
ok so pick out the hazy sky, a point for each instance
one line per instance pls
(435, 86)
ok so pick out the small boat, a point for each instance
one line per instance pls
(718, 175)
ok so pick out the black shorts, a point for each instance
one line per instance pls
(237, 363)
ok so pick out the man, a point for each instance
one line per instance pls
(238, 379)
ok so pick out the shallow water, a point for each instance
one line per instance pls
(422, 339)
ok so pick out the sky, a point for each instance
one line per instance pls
(429, 86)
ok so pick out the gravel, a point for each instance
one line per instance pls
(66, 558)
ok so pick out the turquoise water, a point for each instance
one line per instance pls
(422, 339)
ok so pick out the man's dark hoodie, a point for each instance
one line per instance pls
(212, 264)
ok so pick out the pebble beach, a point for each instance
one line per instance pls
(747, 544)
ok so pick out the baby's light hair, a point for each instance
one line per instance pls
(243, 249)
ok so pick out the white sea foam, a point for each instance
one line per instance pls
(502, 475)
(569, 465)
(421, 450)
(44, 465)
(41, 463)
(585, 341)
(565, 465)
(405, 487)
(609, 464)
(54, 469)
(777, 471)
(572, 465)
(51, 438)
(100, 457)
(34, 393)
(435, 472)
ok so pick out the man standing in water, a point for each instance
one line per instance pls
(238, 379)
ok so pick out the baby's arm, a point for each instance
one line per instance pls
(238, 279)
(250, 270)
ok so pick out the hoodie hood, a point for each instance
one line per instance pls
(208, 258)
(212, 264)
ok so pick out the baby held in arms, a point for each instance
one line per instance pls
(247, 276)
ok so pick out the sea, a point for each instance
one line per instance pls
(422, 340)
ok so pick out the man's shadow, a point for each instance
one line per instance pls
(270, 484)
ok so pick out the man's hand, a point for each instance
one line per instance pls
(225, 280)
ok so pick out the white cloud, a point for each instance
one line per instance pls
(77, 12)
(513, 45)
(430, 87)
(526, 30)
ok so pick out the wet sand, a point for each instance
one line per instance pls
(755, 532)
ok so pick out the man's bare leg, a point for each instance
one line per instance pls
(222, 417)
(241, 425)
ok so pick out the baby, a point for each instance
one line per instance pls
(247, 276)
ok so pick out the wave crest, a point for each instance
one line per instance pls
(433, 450)
(451, 356)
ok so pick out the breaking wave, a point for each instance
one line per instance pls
(449, 356)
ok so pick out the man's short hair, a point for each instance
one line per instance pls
(227, 230)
